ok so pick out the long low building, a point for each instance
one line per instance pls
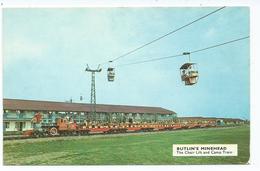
(18, 113)
(218, 121)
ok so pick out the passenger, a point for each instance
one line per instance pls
(38, 117)
(53, 117)
(67, 117)
(71, 120)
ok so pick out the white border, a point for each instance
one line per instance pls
(124, 3)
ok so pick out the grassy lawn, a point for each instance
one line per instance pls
(153, 148)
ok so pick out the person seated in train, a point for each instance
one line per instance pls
(70, 120)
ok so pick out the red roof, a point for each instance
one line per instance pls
(17, 104)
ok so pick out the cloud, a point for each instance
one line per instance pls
(17, 49)
(211, 32)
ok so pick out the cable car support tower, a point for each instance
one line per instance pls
(93, 117)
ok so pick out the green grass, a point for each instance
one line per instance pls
(154, 148)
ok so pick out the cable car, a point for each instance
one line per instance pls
(110, 74)
(189, 73)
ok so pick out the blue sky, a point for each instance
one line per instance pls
(45, 53)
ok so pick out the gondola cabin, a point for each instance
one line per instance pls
(110, 74)
(189, 73)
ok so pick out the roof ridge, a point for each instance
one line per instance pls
(50, 101)
(54, 105)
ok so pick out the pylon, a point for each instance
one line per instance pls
(93, 115)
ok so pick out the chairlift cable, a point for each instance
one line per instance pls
(167, 34)
(146, 44)
(182, 54)
(214, 46)
(150, 60)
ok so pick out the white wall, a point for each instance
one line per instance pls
(28, 126)
(12, 126)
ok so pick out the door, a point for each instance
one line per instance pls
(19, 126)
(4, 128)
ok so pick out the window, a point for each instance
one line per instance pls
(16, 124)
(7, 125)
(24, 124)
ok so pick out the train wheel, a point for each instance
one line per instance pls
(36, 134)
(53, 131)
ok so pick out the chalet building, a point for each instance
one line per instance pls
(19, 113)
